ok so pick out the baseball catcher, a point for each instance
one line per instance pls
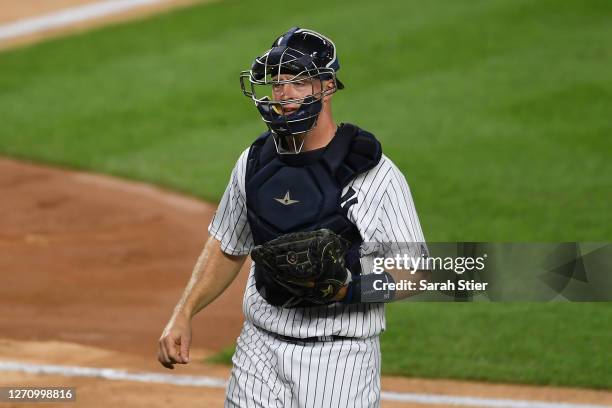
(303, 200)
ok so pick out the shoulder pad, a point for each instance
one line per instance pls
(363, 154)
(258, 148)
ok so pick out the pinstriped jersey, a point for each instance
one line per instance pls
(379, 203)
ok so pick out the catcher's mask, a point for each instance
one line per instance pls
(302, 57)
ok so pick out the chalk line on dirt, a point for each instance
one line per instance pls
(113, 374)
(70, 16)
(213, 382)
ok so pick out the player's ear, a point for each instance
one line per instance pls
(329, 87)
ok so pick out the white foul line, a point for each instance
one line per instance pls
(69, 16)
(113, 374)
(212, 382)
(436, 399)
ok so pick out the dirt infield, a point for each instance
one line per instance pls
(100, 393)
(99, 262)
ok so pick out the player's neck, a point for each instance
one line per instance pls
(322, 133)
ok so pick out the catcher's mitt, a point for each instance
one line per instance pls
(310, 265)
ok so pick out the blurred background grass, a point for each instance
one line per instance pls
(498, 113)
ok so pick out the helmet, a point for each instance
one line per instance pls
(302, 54)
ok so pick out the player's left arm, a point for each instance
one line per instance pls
(397, 224)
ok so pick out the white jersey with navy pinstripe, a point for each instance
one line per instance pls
(383, 212)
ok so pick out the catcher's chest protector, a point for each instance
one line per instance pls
(290, 193)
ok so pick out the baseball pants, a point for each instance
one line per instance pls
(270, 372)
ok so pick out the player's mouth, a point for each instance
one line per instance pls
(285, 110)
(289, 108)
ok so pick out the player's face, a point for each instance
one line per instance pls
(298, 89)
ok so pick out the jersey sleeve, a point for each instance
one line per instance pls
(229, 225)
(383, 209)
(398, 220)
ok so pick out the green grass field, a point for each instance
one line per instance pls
(497, 111)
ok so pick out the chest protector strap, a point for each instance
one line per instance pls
(303, 192)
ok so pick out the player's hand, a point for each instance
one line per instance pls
(341, 294)
(174, 342)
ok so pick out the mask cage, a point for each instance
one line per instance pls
(291, 61)
(263, 75)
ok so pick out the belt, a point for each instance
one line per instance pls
(304, 339)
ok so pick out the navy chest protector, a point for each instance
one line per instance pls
(289, 193)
